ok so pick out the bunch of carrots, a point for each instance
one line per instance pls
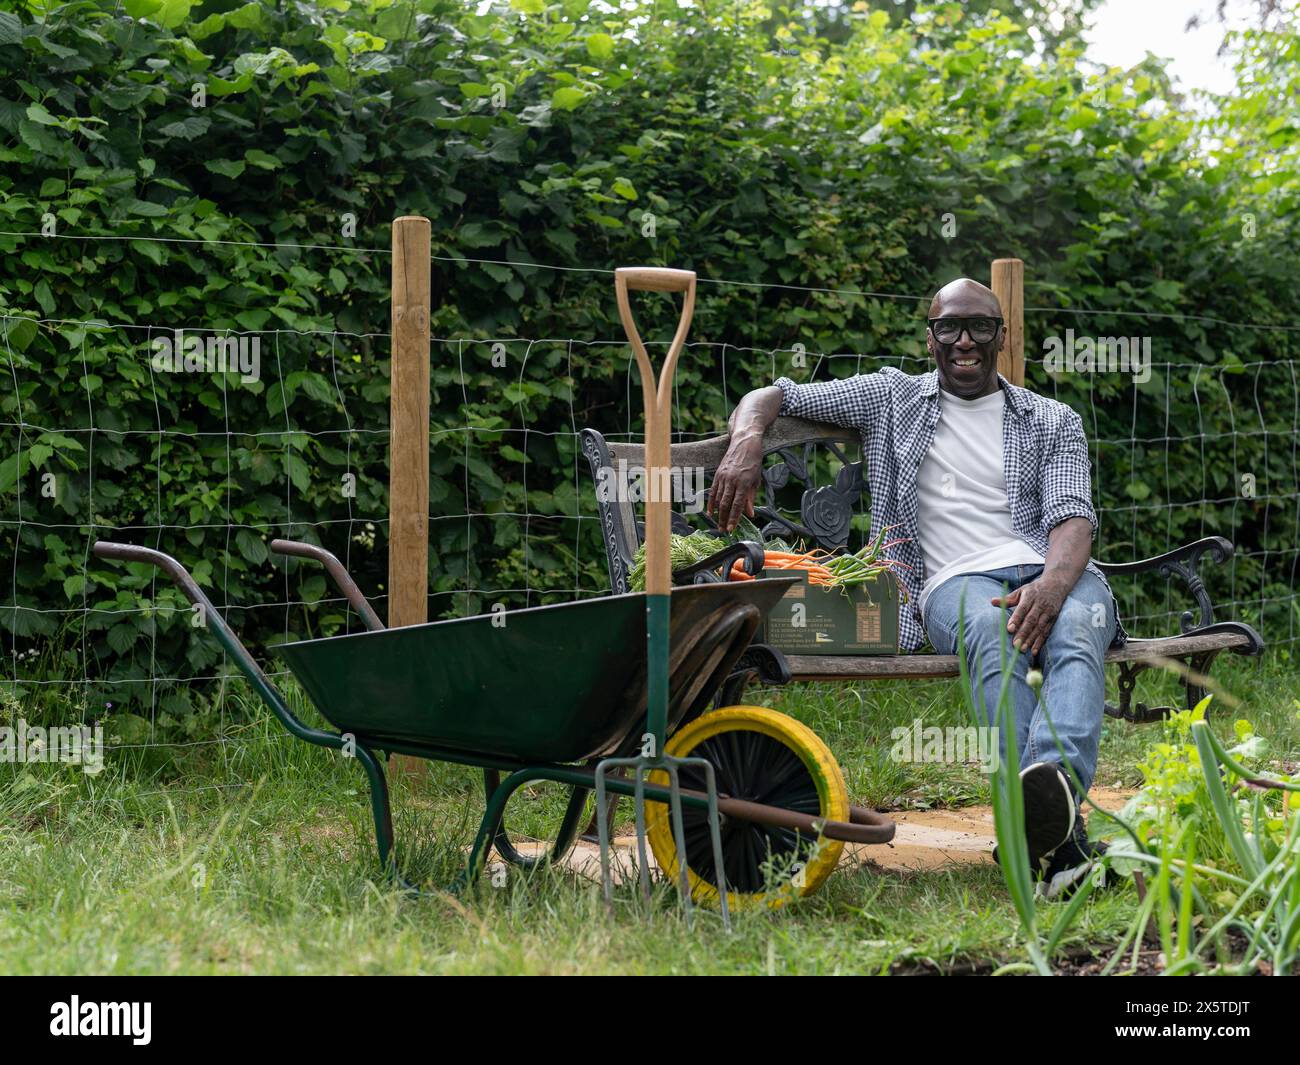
(828, 569)
(824, 568)
(772, 560)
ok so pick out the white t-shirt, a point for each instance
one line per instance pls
(963, 512)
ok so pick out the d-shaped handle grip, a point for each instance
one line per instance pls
(655, 278)
(657, 394)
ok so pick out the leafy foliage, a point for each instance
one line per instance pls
(1218, 815)
(715, 137)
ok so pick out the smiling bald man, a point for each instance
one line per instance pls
(989, 486)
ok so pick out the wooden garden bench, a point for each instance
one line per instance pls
(792, 445)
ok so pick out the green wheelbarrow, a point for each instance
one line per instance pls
(741, 805)
(543, 694)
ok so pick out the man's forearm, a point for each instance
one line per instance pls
(736, 480)
(754, 415)
(1069, 546)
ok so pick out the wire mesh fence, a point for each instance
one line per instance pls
(288, 437)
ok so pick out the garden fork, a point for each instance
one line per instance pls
(657, 397)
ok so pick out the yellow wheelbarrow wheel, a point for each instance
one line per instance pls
(761, 756)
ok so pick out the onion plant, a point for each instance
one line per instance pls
(1217, 841)
(1008, 802)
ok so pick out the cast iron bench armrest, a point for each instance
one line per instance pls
(1182, 561)
(744, 551)
(1219, 548)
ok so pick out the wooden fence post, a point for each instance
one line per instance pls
(1009, 287)
(408, 471)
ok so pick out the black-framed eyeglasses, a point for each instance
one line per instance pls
(982, 328)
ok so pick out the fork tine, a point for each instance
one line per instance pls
(606, 880)
(715, 834)
(679, 837)
(638, 801)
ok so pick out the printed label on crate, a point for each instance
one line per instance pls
(810, 619)
(868, 623)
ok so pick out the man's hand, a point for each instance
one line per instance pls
(1037, 606)
(1038, 603)
(736, 481)
(735, 484)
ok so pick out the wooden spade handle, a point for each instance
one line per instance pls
(656, 278)
(657, 397)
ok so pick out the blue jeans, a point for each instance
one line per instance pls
(1072, 662)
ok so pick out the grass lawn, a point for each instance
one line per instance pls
(254, 854)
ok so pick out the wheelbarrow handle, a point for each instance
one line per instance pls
(338, 574)
(225, 635)
(863, 826)
(147, 555)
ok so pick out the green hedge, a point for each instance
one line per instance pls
(551, 134)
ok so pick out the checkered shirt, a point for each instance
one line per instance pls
(1044, 458)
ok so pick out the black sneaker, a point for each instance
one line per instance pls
(1071, 863)
(1049, 813)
